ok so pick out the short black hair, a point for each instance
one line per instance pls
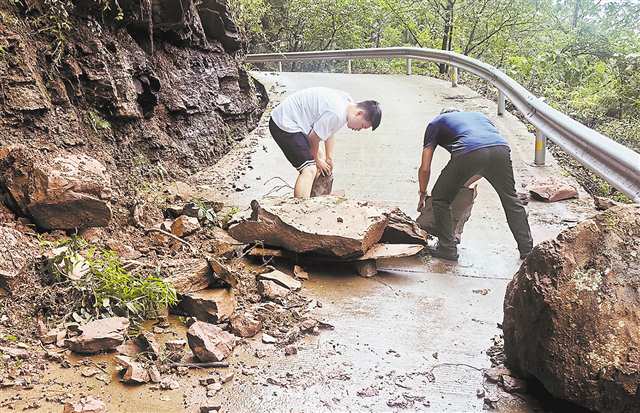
(449, 110)
(372, 112)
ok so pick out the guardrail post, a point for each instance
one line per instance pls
(540, 148)
(409, 66)
(349, 66)
(501, 102)
(454, 76)
(279, 66)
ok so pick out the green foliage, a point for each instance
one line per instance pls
(224, 221)
(104, 283)
(206, 214)
(97, 122)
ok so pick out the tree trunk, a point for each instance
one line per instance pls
(447, 33)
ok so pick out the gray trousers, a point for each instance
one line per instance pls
(494, 164)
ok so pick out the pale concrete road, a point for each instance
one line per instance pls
(413, 338)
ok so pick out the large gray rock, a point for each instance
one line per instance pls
(326, 225)
(209, 342)
(66, 192)
(571, 315)
(100, 335)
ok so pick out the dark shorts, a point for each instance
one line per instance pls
(295, 146)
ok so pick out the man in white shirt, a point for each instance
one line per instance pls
(311, 116)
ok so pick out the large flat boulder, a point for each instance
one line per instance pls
(100, 335)
(326, 225)
(571, 315)
(65, 192)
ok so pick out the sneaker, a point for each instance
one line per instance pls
(451, 255)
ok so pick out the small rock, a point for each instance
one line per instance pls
(149, 344)
(184, 226)
(267, 339)
(281, 279)
(290, 350)
(211, 305)
(100, 335)
(308, 325)
(245, 325)
(175, 345)
(129, 348)
(89, 371)
(270, 290)
(210, 407)
(154, 374)
(169, 383)
(209, 380)
(226, 376)
(214, 387)
(300, 273)
(50, 337)
(512, 384)
(480, 393)
(368, 392)
(494, 374)
(209, 342)
(135, 373)
(15, 353)
(88, 404)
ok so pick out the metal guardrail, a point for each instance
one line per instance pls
(613, 162)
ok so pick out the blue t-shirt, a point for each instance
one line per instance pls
(462, 132)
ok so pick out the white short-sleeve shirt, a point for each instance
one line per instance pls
(320, 109)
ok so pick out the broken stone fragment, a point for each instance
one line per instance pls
(401, 229)
(187, 275)
(149, 344)
(290, 350)
(134, 372)
(222, 272)
(282, 279)
(64, 192)
(494, 374)
(310, 225)
(308, 325)
(15, 353)
(210, 407)
(267, 339)
(271, 290)
(213, 306)
(245, 325)
(129, 348)
(209, 342)
(571, 313)
(154, 374)
(175, 345)
(169, 383)
(88, 404)
(553, 192)
(100, 335)
(220, 243)
(184, 226)
(512, 384)
(50, 337)
(300, 273)
(226, 376)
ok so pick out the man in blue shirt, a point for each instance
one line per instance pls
(477, 149)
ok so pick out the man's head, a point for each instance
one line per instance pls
(365, 114)
(449, 110)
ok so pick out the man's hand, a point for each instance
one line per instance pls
(330, 162)
(324, 167)
(422, 198)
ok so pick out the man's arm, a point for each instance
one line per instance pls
(424, 173)
(329, 145)
(321, 164)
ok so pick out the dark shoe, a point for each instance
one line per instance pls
(446, 254)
